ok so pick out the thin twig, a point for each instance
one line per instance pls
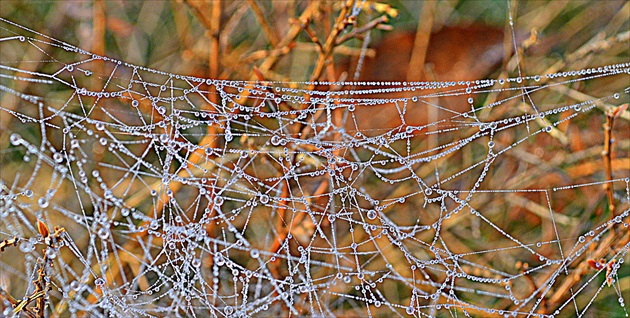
(365, 28)
(294, 31)
(262, 54)
(311, 34)
(421, 42)
(340, 25)
(9, 242)
(607, 154)
(271, 36)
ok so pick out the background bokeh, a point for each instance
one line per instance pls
(430, 41)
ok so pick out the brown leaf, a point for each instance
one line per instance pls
(43, 229)
(596, 265)
(609, 268)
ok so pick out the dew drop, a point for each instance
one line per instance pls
(50, 253)
(102, 233)
(15, 139)
(58, 157)
(275, 140)
(43, 202)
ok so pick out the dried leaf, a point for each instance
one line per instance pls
(596, 265)
(609, 276)
(43, 229)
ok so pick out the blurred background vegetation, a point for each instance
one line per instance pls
(440, 40)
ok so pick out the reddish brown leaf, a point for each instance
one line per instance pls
(43, 229)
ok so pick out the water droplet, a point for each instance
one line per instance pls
(50, 253)
(371, 214)
(15, 139)
(254, 253)
(43, 202)
(57, 157)
(102, 233)
(275, 140)
(75, 285)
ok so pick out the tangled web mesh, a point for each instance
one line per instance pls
(280, 199)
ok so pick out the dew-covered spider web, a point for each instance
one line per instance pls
(187, 196)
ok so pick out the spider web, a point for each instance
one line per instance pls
(283, 199)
